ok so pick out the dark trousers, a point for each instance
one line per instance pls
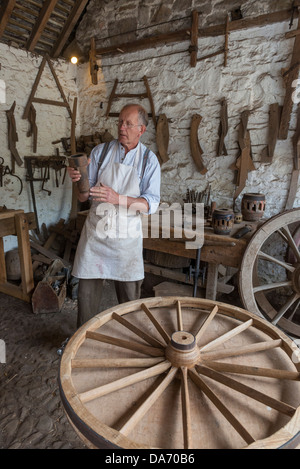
(90, 293)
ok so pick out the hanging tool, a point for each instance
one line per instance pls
(223, 129)
(244, 162)
(33, 127)
(12, 135)
(29, 177)
(194, 144)
(5, 170)
(162, 138)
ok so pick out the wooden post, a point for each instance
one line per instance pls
(93, 63)
(291, 75)
(194, 39)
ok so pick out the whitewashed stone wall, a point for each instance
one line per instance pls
(251, 81)
(17, 74)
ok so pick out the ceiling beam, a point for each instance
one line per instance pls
(40, 23)
(68, 27)
(5, 12)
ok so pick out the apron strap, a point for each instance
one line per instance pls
(103, 155)
(144, 162)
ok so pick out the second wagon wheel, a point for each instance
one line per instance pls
(181, 373)
(269, 279)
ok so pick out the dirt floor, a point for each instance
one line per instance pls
(31, 413)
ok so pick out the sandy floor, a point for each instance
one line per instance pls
(31, 413)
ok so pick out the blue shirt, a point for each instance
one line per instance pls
(149, 183)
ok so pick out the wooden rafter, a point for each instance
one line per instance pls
(40, 24)
(68, 27)
(5, 12)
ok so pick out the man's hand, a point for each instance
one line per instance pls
(74, 174)
(104, 193)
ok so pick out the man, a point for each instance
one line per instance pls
(125, 181)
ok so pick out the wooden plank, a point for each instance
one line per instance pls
(93, 62)
(194, 38)
(34, 88)
(74, 16)
(8, 227)
(5, 13)
(40, 24)
(291, 75)
(3, 278)
(22, 230)
(211, 31)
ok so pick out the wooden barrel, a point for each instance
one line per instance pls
(173, 373)
(253, 206)
(222, 221)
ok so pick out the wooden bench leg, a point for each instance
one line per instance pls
(211, 283)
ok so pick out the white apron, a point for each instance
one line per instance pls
(111, 241)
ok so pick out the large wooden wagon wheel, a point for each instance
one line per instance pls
(181, 373)
(274, 250)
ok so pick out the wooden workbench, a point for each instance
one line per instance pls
(18, 223)
(217, 250)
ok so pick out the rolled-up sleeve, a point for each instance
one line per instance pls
(150, 184)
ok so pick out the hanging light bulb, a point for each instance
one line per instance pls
(74, 59)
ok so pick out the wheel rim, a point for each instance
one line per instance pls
(176, 391)
(277, 299)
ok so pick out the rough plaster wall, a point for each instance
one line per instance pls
(252, 80)
(18, 71)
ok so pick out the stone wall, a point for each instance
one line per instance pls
(252, 80)
(17, 74)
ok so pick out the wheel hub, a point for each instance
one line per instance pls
(183, 350)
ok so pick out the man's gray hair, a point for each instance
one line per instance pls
(142, 113)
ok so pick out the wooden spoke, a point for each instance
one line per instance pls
(272, 286)
(248, 391)
(259, 298)
(221, 407)
(228, 335)
(124, 382)
(155, 352)
(186, 410)
(254, 370)
(206, 323)
(141, 411)
(236, 351)
(137, 331)
(285, 307)
(158, 326)
(291, 315)
(267, 257)
(115, 362)
(179, 316)
(291, 242)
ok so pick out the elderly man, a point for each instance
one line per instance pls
(125, 181)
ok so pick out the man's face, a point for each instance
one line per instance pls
(129, 129)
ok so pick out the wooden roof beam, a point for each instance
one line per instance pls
(5, 12)
(210, 31)
(40, 24)
(69, 25)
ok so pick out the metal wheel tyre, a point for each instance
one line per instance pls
(274, 249)
(181, 373)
